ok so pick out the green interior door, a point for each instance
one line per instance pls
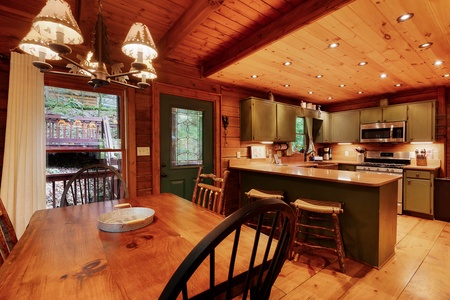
(186, 142)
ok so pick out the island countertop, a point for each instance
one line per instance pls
(306, 171)
(369, 221)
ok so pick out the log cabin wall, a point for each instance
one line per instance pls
(184, 79)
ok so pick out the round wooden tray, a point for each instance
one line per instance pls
(125, 219)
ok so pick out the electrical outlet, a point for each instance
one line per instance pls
(346, 153)
(143, 151)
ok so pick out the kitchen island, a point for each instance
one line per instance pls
(369, 221)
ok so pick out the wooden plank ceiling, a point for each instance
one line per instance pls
(230, 40)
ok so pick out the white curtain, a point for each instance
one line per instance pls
(24, 162)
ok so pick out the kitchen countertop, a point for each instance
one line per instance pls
(304, 170)
(432, 165)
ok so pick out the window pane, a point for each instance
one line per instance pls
(82, 128)
(187, 137)
(82, 119)
(300, 137)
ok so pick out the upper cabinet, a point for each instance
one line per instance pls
(391, 113)
(421, 121)
(265, 120)
(345, 126)
(286, 118)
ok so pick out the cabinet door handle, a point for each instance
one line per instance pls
(409, 181)
(417, 174)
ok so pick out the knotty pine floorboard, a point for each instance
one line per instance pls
(419, 269)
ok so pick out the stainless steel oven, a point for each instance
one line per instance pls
(387, 163)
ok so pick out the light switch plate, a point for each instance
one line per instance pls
(143, 151)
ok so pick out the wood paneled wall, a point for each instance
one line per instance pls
(186, 80)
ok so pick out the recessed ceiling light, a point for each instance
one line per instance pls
(446, 75)
(287, 85)
(254, 76)
(333, 45)
(426, 45)
(360, 92)
(330, 98)
(287, 63)
(438, 63)
(383, 75)
(398, 85)
(310, 93)
(319, 76)
(342, 85)
(405, 17)
(363, 63)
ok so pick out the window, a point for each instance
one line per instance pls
(82, 128)
(300, 136)
(187, 137)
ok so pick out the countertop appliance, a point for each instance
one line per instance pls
(393, 132)
(387, 163)
(326, 153)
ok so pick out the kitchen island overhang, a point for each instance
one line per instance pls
(369, 221)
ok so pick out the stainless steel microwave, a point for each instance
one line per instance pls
(393, 132)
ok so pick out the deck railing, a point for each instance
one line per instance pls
(55, 187)
(79, 131)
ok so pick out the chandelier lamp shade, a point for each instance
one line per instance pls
(55, 28)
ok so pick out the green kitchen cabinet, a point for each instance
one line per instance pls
(345, 126)
(265, 120)
(286, 119)
(419, 191)
(390, 113)
(421, 121)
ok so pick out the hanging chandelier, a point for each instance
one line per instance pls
(55, 28)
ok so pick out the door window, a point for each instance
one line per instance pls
(187, 137)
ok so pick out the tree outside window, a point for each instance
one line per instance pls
(300, 136)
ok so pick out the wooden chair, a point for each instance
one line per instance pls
(210, 196)
(94, 183)
(317, 227)
(8, 238)
(260, 276)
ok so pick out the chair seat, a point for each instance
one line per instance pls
(323, 207)
(262, 194)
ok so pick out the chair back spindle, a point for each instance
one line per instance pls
(210, 196)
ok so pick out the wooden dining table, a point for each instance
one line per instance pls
(64, 255)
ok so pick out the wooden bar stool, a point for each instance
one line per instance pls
(255, 194)
(317, 227)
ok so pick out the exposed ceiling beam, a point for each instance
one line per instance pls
(191, 18)
(302, 15)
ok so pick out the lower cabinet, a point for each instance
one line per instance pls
(419, 191)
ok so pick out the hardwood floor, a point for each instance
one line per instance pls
(419, 269)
